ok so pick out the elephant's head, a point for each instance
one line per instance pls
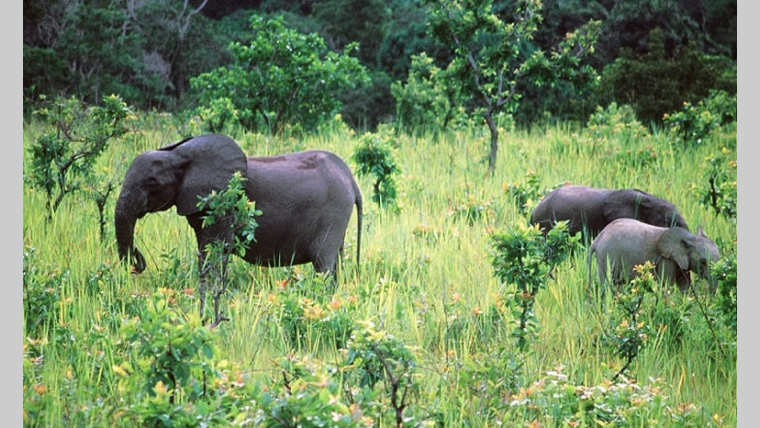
(173, 175)
(690, 252)
(633, 203)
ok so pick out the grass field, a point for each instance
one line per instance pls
(426, 279)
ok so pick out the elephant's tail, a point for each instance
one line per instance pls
(359, 214)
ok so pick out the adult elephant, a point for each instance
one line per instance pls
(674, 251)
(306, 199)
(592, 209)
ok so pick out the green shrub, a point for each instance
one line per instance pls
(232, 208)
(523, 259)
(616, 124)
(281, 77)
(372, 356)
(41, 294)
(628, 334)
(308, 395)
(218, 115)
(428, 101)
(374, 156)
(718, 186)
(724, 272)
(173, 352)
(556, 401)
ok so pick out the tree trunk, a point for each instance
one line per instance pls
(494, 142)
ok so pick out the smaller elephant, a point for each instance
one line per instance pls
(674, 251)
(591, 209)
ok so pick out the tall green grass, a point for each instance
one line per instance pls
(413, 264)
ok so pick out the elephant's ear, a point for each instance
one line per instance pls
(672, 245)
(213, 160)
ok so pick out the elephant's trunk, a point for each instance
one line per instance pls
(125, 218)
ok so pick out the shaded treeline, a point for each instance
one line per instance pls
(651, 54)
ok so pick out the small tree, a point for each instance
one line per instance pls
(282, 76)
(523, 259)
(99, 187)
(229, 207)
(65, 154)
(427, 100)
(373, 155)
(492, 56)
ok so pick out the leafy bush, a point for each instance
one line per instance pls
(427, 101)
(371, 356)
(556, 401)
(616, 124)
(525, 195)
(718, 189)
(218, 115)
(281, 77)
(522, 259)
(374, 156)
(307, 396)
(41, 293)
(173, 351)
(231, 208)
(659, 82)
(628, 335)
(724, 272)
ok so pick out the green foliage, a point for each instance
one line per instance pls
(527, 194)
(522, 259)
(371, 356)
(236, 214)
(374, 156)
(616, 124)
(496, 373)
(282, 77)
(66, 152)
(172, 348)
(220, 114)
(492, 55)
(303, 313)
(428, 101)
(233, 205)
(724, 272)
(693, 123)
(41, 294)
(656, 83)
(307, 396)
(718, 185)
(558, 401)
(628, 335)
(84, 52)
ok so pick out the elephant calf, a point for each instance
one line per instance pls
(593, 209)
(306, 199)
(674, 251)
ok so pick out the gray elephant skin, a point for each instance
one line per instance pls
(306, 199)
(592, 209)
(674, 251)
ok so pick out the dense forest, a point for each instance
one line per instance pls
(653, 55)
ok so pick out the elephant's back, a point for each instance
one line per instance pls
(575, 203)
(628, 236)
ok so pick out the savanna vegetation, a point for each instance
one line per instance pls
(458, 313)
